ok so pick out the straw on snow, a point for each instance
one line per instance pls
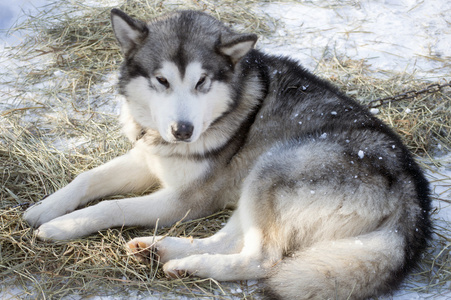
(60, 100)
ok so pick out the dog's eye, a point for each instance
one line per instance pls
(163, 81)
(201, 81)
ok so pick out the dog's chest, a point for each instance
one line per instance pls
(177, 171)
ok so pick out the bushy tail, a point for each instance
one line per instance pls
(353, 268)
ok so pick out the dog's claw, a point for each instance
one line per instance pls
(144, 252)
(140, 250)
(177, 274)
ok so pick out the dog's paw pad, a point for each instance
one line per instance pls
(174, 273)
(143, 251)
(178, 268)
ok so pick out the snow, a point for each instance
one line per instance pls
(440, 178)
(361, 154)
(390, 35)
(10, 11)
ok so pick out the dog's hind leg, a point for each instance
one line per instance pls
(250, 263)
(255, 258)
(226, 241)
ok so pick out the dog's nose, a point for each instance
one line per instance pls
(182, 131)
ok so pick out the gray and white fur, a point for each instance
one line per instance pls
(329, 203)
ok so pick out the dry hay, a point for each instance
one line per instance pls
(424, 122)
(57, 122)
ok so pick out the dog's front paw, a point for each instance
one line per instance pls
(57, 204)
(42, 212)
(51, 231)
(67, 227)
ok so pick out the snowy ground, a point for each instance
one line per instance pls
(391, 35)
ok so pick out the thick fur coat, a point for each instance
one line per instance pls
(329, 203)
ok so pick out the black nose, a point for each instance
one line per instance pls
(182, 131)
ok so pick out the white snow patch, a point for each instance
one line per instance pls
(361, 154)
(391, 35)
(374, 111)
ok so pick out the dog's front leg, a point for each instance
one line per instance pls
(126, 173)
(166, 206)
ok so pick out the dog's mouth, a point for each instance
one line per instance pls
(176, 141)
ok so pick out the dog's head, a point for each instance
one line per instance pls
(177, 71)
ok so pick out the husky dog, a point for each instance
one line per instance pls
(329, 202)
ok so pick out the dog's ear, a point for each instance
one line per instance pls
(236, 46)
(129, 32)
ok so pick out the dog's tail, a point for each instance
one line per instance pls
(352, 268)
